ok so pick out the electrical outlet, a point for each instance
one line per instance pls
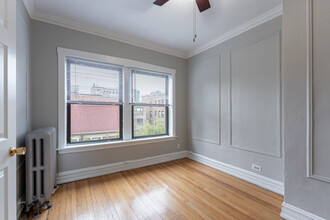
(256, 167)
(178, 146)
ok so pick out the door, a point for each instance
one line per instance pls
(7, 109)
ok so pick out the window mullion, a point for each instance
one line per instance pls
(127, 111)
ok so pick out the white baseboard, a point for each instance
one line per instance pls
(74, 175)
(291, 212)
(89, 172)
(259, 180)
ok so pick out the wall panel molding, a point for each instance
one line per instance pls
(217, 140)
(261, 19)
(310, 103)
(279, 100)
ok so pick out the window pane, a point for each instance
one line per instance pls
(149, 88)
(94, 122)
(147, 123)
(93, 82)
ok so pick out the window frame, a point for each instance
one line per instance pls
(70, 60)
(157, 102)
(127, 109)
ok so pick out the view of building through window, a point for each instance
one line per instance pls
(150, 100)
(95, 102)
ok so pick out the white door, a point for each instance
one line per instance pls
(7, 109)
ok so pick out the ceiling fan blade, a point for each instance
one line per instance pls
(160, 2)
(203, 5)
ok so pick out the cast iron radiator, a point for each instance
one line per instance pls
(40, 168)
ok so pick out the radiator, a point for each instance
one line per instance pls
(40, 166)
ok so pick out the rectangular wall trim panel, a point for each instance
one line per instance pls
(318, 90)
(3, 90)
(205, 98)
(255, 97)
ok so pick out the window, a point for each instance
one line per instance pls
(94, 101)
(153, 88)
(111, 100)
(139, 121)
(138, 111)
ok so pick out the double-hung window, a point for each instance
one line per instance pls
(106, 99)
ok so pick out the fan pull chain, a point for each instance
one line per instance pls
(194, 21)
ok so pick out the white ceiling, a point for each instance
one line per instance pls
(167, 28)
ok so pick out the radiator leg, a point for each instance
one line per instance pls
(36, 210)
(45, 206)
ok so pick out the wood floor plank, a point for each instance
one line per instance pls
(137, 203)
(181, 189)
(159, 197)
(179, 202)
(198, 195)
(260, 195)
(232, 196)
(145, 196)
(249, 187)
(211, 183)
(82, 210)
(187, 195)
(122, 208)
(98, 200)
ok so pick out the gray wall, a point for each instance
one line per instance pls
(310, 194)
(23, 90)
(45, 40)
(235, 101)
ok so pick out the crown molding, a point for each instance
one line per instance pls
(263, 18)
(67, 23)
(78, 26)
(106, 34)
(30, 7)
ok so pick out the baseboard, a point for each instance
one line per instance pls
(85, 173)
(259, 180)
(291, 212)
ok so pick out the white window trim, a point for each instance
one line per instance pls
(126, 64)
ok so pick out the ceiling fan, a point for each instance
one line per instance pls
(202, 4)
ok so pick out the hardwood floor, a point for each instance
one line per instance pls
(181, 189)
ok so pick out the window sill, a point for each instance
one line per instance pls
(108, 145)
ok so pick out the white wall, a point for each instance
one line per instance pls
(235, 101)
(307, 118)
(23, 90)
